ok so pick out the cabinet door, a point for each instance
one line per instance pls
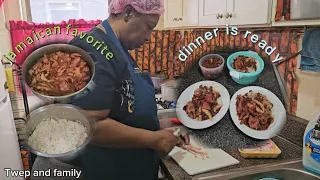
(173, 16)
(248, 12)
(212, 12)
(190, 12)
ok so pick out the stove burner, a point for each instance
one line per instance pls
(165, 104)
(157, 91)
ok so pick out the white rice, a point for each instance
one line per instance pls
(56, 136)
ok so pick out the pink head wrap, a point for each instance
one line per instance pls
(142, 6)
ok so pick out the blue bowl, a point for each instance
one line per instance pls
(245, 78)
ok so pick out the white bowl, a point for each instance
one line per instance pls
(186, 96)
(278, 112)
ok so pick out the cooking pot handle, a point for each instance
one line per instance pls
(90, 88)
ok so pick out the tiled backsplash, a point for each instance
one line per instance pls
(161, 53)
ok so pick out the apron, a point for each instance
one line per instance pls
(127, 164)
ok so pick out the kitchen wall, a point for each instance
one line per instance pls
(161, 54)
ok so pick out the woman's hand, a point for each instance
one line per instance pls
(165, 141)
(183, 139)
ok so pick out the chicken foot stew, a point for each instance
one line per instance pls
(254, 110)
(59, 74)
(204, 104)
(244, 64)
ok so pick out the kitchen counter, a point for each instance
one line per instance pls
(268, 79)
(288, 141)
(225, 135)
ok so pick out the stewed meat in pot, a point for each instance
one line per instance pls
(59, 74)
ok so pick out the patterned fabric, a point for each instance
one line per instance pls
(127, 95)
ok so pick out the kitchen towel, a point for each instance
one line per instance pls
(310, 53)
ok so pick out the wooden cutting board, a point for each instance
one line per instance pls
(192, 165)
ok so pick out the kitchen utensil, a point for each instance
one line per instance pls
(186, 96)
(169, 90)
(289, 58)
(177, 132)
(211, 73)
(216, 159)
(63, 111)
(175, 120)
(188, 147)
(278, 112)
(157, 79)
(245, 78)
(40, 52)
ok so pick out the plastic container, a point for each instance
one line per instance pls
(245, 78)
(211, 73)
(267, 150)
(311, 145)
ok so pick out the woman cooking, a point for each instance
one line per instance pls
(128, 142)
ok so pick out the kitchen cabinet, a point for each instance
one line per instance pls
(211, 12)
(298, 15)
(248, 12)
(234, 12)
(181, 13)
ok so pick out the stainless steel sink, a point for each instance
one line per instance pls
(281, 174)
(281, 171)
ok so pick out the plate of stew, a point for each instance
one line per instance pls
(203, 104)
(257, 112)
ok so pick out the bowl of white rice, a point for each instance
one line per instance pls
(59, 131)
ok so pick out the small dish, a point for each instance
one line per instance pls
(245, 78)
(211, 73)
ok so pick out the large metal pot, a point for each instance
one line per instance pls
(66, 48)
(63, 111)
(158, 79)
(169, 90)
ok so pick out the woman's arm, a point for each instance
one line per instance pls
(110, 133)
